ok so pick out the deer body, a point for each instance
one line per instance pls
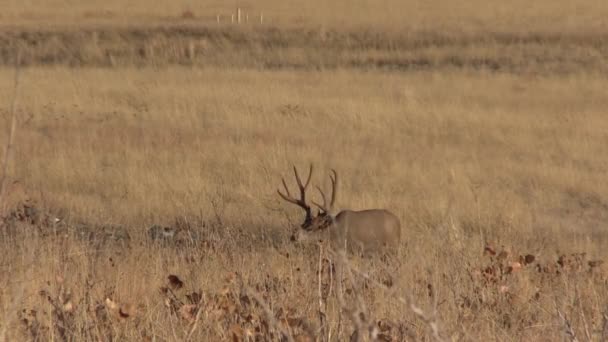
(366, 230)
(372, 228)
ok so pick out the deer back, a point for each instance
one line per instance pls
(370, 229)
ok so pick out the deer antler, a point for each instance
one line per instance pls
(301, 202)
(334, 184)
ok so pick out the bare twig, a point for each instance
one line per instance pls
(196, 319)
(604, 337)
(11, 134)
(583, 317)
(322, 304)
(568, 331)
(329, 293)
(268, 312)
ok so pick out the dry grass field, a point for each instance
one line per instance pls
(482, 127)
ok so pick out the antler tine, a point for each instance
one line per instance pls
(309, 176)
(334, 187)
(285, 187)
(287, 197)
(302, 187)
(324, 206)
(298, 180)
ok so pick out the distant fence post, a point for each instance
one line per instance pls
(240, 17)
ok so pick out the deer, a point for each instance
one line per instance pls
(370, 230)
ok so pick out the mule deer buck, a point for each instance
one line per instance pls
(366, 230)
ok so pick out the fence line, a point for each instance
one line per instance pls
(239, 17)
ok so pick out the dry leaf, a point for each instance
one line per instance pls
(249, 333)
(127, 310)
(175, 282)
(237, 332)
(489, 250)
(110, 304)
(514, 267)
(68, 307)
(528, 259)
(224, 291)
(188, 312)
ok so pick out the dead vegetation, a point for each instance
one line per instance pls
(501, 292)
(269, 48)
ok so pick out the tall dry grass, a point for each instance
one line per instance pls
(466, 159)
(138, 145)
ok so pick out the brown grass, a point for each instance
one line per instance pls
(486, 168)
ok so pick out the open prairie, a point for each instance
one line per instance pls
(140, 201)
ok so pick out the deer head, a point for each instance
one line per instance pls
(326, 212)
(324, 217)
